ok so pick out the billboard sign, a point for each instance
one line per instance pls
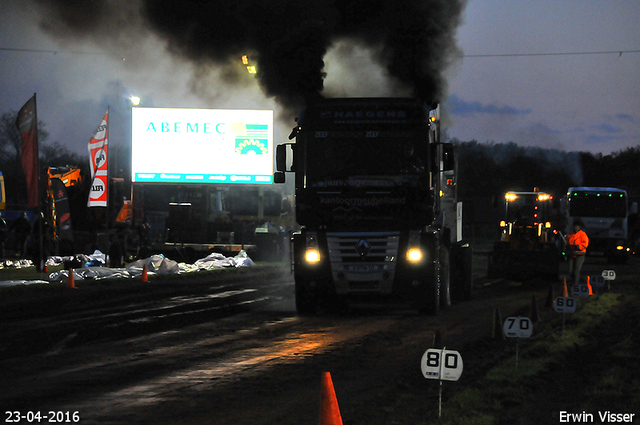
(181, 145)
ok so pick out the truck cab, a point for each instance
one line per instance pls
(375, 196)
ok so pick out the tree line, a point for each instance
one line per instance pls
(485, 169)
(491, 169)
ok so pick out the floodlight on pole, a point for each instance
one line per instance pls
(135, 100)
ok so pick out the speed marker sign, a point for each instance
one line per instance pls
(580, 290)
(564, 305)
(597, 281)
(609, 274)
(518, 327)
(441, 364)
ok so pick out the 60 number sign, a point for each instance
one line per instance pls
(564, 305)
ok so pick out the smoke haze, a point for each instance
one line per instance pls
(408, 44)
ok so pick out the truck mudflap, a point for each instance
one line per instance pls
(461, 260)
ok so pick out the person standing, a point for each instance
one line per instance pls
(577, 243)
(3, 235)
(22, 228)
(40, 258)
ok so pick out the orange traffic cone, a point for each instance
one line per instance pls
(329, 411)
(565, 292)
(145, 277)
(70, 281)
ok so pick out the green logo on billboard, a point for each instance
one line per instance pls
(246, 146)
(254, 141)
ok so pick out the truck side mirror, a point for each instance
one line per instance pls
(281, 158)
(448, 157)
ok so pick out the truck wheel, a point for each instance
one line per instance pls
(306, 301)
(429, 301)
(445, 278)
(494, 269)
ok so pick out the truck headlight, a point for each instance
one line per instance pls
(312, 255)
(414, 255)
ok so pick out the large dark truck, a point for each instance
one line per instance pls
(375, 196)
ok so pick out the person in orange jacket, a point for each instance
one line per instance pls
(577, 243)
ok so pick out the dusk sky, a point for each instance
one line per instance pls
(561, 74)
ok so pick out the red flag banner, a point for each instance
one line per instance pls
(27, 126)
(98, 155)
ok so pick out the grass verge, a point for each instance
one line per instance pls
(589, 367)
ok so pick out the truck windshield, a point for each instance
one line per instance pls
(337, 158)
(591, 205)
(527, 208)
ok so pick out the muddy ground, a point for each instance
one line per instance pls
(230, 349)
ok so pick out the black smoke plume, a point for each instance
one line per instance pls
(414, 40)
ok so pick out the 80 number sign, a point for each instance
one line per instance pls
(441, 364)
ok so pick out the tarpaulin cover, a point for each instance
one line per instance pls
(156, 264)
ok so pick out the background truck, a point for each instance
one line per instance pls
(189, 222)
(528, 246)
(375, 196)
(605, 213)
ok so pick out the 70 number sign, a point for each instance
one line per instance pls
(518, 327)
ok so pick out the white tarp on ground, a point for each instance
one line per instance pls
(156, 264)
(15, 264)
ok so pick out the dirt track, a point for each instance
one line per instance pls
(234, 352)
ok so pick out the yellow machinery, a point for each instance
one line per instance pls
(58, 211)
(527, 246)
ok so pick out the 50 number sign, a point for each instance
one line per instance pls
(580, 290)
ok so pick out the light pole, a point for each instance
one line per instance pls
(135, 101)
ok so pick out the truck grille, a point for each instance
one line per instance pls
(343, 247)
(363, 261)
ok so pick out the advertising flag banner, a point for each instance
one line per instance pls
(3, 196)
(98, 154)
(27, 126)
